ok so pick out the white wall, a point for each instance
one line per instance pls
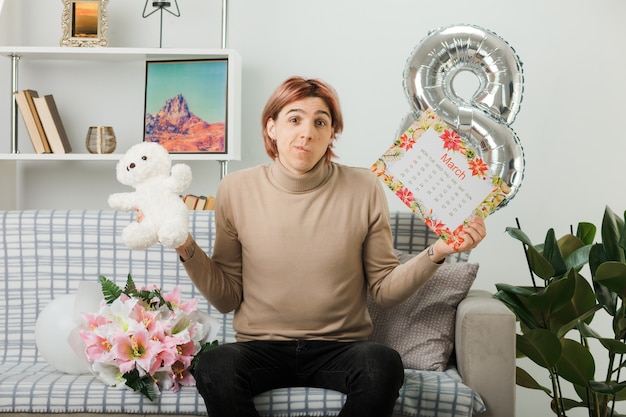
(570, 122)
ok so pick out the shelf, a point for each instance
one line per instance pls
(122, 54)
(102, 157)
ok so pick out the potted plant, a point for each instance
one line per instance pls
(555, 314)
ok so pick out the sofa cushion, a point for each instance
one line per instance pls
(421, 328)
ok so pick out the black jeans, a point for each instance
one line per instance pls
(230, 375)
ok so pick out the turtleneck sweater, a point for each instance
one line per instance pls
(295, 255)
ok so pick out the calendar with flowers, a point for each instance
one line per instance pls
(440, 177)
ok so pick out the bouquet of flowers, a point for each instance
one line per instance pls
(144, 339)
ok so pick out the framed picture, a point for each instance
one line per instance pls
(84, 22)
(186, 105)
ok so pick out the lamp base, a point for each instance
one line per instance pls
(159, 6)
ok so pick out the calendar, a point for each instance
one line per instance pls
(439, 177)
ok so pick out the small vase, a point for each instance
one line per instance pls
(100, 139)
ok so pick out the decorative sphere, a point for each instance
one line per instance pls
(52, 330)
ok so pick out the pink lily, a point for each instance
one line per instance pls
(135, 349)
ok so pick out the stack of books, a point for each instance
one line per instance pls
(194, 202)
(43, 122)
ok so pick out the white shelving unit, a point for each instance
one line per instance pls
(20, 55)
(37, 59)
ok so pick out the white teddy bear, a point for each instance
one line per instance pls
(148, 168)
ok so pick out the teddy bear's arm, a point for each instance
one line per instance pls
(180, 178)
(123, 201)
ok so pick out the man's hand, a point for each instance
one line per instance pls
(473, 233)
(187, 249)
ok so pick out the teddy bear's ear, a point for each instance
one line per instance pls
(156, 152)
(163, 155)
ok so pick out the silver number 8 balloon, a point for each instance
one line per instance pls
(484, 122)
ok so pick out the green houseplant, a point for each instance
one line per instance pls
(555, 314)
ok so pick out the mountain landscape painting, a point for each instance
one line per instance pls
(185, 108)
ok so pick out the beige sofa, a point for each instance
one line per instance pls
(45, 254)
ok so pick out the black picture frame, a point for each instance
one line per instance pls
(186, 104)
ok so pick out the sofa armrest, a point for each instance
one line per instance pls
(485, 351)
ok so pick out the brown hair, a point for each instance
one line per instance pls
(298, 88)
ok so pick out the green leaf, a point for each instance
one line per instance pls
(154, 298)
(576, 363)
(585, 317)
(552, 252)
(524, 379)
(541, 346)
(586, 232)
(581, 306)
(611, 388)
(130, 289)
(568, 404)
(569, 244)
(555, 296)
(578, 258)
(110, 290)
(144, 385)
(545, 260)
(612, 227)
(510, 296)
(613, 276)
(540, 265)
(606, 298)
(515, 290)
(622, 241)
(585, 393)
(619, 323)
(597, 256)
(615, 347)
(621, 394)
(519, 235)
(586, 331)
